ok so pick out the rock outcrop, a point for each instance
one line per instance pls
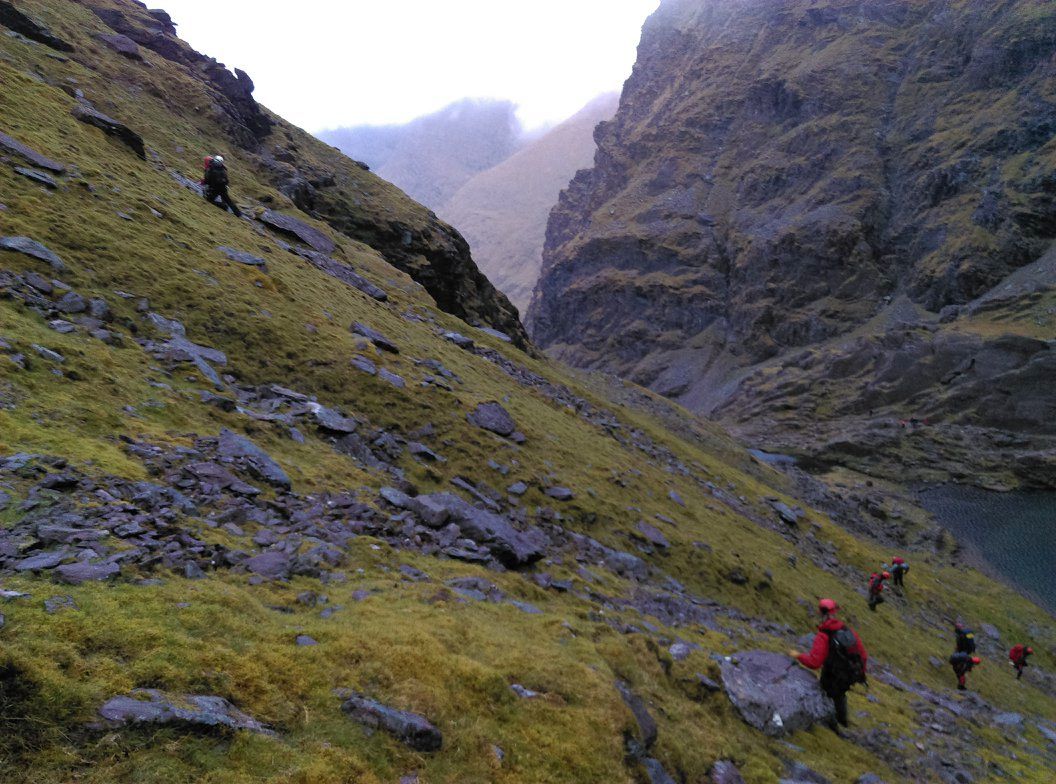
(774, 694)
(778, 176)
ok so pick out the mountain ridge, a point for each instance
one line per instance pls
(778, 176)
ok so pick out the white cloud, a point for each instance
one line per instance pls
(325, 63)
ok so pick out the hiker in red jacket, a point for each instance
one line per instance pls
(839, 654)
(1018, 656)
(876, 588)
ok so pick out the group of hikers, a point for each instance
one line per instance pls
(838, 651)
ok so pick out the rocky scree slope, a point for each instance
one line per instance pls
(804, 191)
(267, 514)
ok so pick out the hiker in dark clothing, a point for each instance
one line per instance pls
(962, 664)
(1018, 656)
(876, 588)
(899, 568)
(215, 183)
(965, 639)
(839, 653)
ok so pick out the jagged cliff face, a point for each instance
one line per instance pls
(780, 173)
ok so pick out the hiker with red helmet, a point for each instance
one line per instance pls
(876, 588)
(839, 654)
(1018, 656)
(962, 664)
(899, 568)
(215, 182)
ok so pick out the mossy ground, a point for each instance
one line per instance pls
(414, 645)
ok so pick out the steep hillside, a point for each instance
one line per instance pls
(431, 157)
(809, 210)
(503, 211)
(268, 513)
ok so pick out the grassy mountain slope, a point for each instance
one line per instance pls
(124, 427)
(502, 211)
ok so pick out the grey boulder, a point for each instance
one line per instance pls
(415, 731)
(29, 247)
(491, 416)
(150, 706)
(774, 694)
(512, 547)
(257, 461)
(299, 229)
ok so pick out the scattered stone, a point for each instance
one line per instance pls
(80, 572)
(345, 274)
(786, 513)
(517, 489)
(523, 692)
(392, 378)
(243, 258)
(273, 564)
(870, 778)
(492, 416)
(257, 461)
(409, 728)
(496, 334)
(560, 493)
(374, 337)
(48, 354)
(364, 365)
(299, 229)
(514, 548)
(56, 604)
(656, 773)
(459, 340)
(72, 303)
(62, 327)
(150, 706)
(111, 127)
(32, 248)
(123, 45)
(990, 631)
(328, 419)
(303, 640)
(31, 155)
(42, 561)
(13, 19)
(680, 651)
(37, 176)
(773, 694)
(647, 733)
(5, 500)
(651, 534)
(724, 772)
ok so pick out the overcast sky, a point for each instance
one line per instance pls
(328, 63)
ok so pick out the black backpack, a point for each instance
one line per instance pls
(844, 664)
(965, 641)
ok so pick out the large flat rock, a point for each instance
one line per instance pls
(774, 694)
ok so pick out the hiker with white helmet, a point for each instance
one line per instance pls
(215, 184)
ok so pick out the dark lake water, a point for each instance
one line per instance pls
(1014, 532)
